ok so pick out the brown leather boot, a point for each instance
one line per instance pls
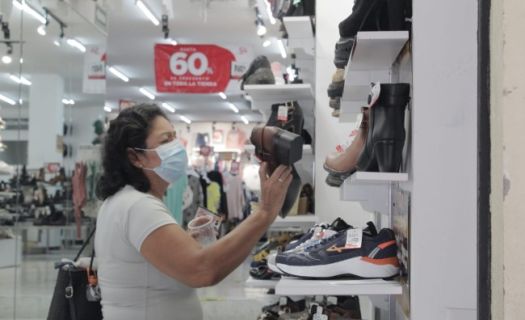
(342, 165)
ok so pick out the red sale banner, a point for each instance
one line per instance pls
(193, 68)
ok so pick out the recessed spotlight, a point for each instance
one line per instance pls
(6, 59)
(41, 30)
(57, 43)
(267, 43)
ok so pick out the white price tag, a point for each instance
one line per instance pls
(282, 113)
(354, 238)
(359, 121)
(374, 94)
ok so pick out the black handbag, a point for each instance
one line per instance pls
(76, 295)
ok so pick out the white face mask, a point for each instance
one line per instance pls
(174, 161)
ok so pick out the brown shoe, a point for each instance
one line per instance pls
(344, 164)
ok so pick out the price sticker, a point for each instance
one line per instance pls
(374, 94)
(282, 113)
(354, 238)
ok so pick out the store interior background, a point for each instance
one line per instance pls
(440, 288)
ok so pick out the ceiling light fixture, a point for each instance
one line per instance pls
(185, 119)
(168, 107)
(147, 12)
(76, 44)
(7, 59)
(173, 42)
(7, 100)
(267, 43)
(107, 108)
(245, 120)
(118, 74)
(57, 43)
(223, 95)
(41, 30)
(282, 48)
(22, 5)
(269, 12)
(233, 107)
(68, 101)
(20, 80)
(21, 60)
(148, 94)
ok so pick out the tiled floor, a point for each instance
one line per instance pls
(35, 280)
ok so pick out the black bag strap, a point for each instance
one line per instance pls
(69, 296)
(85, 244)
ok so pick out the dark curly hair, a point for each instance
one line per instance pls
(129, 130)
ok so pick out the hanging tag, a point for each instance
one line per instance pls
(93, 293)
(282, 114)
(374, 94)
(354, 238)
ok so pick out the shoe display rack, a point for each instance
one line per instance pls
(294, 223)
(371, 60)
(263, 96)
(260, 284)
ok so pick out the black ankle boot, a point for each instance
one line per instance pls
(386, 130)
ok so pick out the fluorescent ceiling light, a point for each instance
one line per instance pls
(22, 5)
(20, 80)
(148, 94)
(21, 60)
(6, 59)
(68, 101)
(282, 48)
(233, 107)
(57, 43)
(76, 44)
(147, 12)
(243, 118)
(118, 74)
(223, 95)
(183, 118)
(107, 108)
(168, 107)
(261, 30)
(269, 12)
(41, 30)
(7, 100)
(267, 43)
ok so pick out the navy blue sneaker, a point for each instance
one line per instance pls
(376, 257)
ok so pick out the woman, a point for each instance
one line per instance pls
(148, 266)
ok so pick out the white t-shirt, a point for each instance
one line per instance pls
(132, 288)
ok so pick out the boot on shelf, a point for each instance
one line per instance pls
(386, 130)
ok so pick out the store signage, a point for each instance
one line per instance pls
(192, 68)
(94, 80)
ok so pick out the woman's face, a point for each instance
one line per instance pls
(161, 132)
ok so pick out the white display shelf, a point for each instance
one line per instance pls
(294, 286)
(376, 50)
(11, 252)
(371, 189)
(350, 110)
(300, 34)
(263, 284)
(276, 93)
(302, 222)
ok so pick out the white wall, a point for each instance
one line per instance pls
(508, 156)
(328, 131)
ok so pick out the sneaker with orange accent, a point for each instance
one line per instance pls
(354, 252)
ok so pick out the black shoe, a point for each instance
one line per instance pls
(335, 103)
(295, 119)
(386, 130)
(259, 72)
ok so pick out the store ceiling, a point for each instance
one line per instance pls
(130, 41)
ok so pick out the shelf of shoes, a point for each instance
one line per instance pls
(303, 287)
(263, 284)
(263, 96)
(300, 34)
(371, 189)
(371, 61)
(299, 222)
